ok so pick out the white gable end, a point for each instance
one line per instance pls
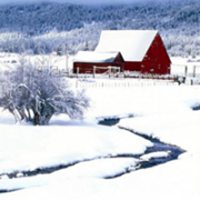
(132, 44)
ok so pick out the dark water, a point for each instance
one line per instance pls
(109, 121)
(6, 191)
(196, 107)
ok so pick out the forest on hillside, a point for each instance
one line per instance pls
(54, 27)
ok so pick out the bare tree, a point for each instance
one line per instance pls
(36, 94)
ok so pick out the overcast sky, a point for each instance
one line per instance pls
(76, 1)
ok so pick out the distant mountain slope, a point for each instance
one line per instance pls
(180, 19)
(39, 18)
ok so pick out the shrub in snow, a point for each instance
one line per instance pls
(36, 94)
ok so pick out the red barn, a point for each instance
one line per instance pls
(97, 62)
(142, 50)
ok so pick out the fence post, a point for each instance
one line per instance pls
(186, 71)
(109, 71)
(194, 71)
(94, 71)
(77, 71)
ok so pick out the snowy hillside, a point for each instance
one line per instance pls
(47, 27)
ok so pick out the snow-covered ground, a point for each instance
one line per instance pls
(91, 150)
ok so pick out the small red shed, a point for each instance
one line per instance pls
(97, 62)
(142, 50)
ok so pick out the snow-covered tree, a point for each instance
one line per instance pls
(36, 94)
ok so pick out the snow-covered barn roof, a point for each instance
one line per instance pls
(132, 44)
(96, 57)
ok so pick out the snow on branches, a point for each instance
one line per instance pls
(36, 94)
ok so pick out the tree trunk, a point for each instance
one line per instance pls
(36, 119)
(44, 115)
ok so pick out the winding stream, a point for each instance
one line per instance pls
(157, 154)
(171, 151)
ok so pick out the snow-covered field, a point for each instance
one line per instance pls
(92, 152)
